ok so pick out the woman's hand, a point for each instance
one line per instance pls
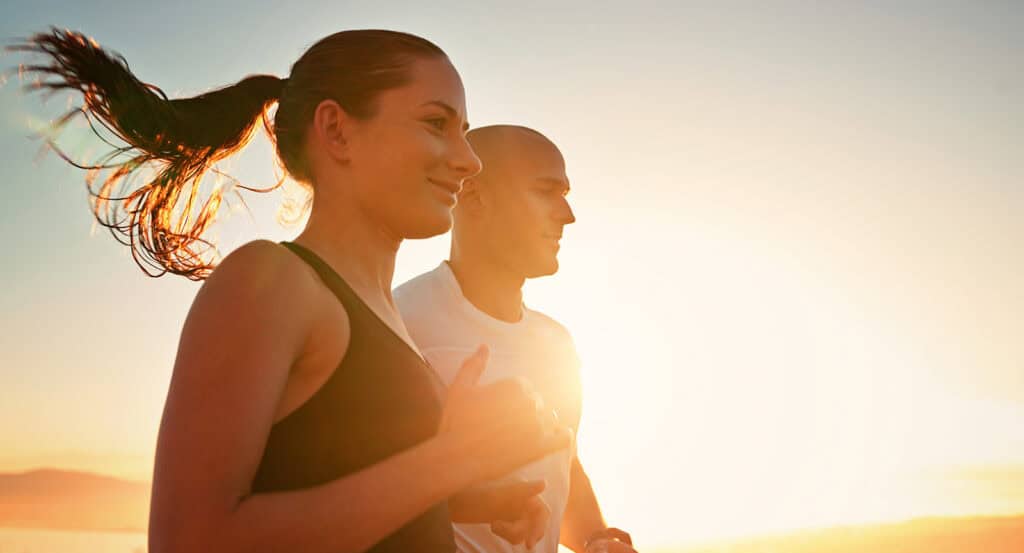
(493, 501)
(529, 528)
(515, 510)
(498, 427)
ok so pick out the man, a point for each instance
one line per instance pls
(508, 222)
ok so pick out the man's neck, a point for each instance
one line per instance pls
(490, 288)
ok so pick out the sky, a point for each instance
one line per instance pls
(794, 280)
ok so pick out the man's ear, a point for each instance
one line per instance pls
(332, 130)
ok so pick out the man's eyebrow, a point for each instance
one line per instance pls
(555, 181)
(449, 110)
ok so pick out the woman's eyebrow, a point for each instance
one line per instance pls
(449, 110)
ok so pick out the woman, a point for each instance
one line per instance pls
(300, 416)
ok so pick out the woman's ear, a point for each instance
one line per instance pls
(332, 129)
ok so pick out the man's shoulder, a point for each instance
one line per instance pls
(549, 324)
(410, 295)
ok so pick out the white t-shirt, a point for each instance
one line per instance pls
(447, 328)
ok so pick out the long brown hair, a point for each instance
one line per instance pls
(163, 219)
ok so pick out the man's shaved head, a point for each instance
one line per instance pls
(513, 211)
(500, 147)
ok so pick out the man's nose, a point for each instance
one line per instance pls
(565, 214)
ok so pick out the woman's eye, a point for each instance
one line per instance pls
(437, 123)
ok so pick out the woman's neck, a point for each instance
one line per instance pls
(360, 250)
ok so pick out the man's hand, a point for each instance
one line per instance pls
(610, 540)
(514, 510)
(609, 546)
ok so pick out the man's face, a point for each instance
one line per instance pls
(525, 209)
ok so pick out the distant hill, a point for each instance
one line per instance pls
(68, 500)
(924, 535)
(58, 499)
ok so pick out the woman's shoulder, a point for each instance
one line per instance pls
(265, 266)
(262, 291)
(262, 275)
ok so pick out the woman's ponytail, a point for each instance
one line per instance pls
(162, 219)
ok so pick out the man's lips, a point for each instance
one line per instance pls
(453, 187)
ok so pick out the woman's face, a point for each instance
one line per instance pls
(408, 161)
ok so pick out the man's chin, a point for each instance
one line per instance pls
(547, 268)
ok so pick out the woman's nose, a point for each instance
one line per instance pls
(464, 160)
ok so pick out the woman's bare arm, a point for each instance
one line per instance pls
(247, 327)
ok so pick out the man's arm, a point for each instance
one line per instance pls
(582, 519)
(582, 516)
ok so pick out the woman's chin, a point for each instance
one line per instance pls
(429, 226)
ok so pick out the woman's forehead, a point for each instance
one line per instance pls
(432, 81)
